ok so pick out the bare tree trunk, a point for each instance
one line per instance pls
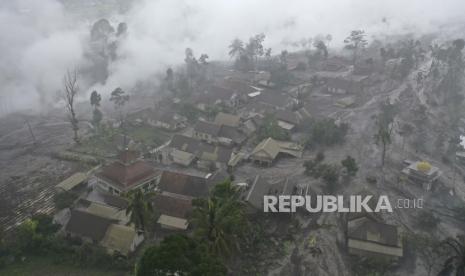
(71, 89)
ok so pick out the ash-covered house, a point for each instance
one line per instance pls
(259, 186)
(174, 202)
(268, 150)
(168, 120)
(422, 173)
(220, 134)
(127, 173)
(341, 82)
(273, 99)
(287, 120)
(227, 119)
(366, 236)
(186, 151)
(230, 93)
(164, 119)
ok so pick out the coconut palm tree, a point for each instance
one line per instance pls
(220, 219)
(139, 209)
(455, 264)
(236, 48)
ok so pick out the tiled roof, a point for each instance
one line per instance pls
(88, 225)
(172, 205)
(183, 184)
(128, 175)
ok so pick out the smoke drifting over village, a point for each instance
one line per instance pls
(42, 39)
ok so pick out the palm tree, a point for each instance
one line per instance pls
(455, 264)
(220, 219)
(236, 48)
(139, 209)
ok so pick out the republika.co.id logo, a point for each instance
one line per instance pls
(340, 204)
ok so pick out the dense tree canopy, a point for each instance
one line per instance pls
(179, 255)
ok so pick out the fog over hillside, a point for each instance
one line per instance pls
(42, 39)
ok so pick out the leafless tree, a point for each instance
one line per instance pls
(69, 95)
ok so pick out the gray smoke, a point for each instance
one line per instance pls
(42, 38)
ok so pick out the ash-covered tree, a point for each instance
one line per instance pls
(384, 127)
(455, 262)
(169, 80)
(452, 84)
(350, 165)
(119, 99)
(255, 49)
(236, 48)
(97, 115)
(321, 48)
(270, 128)
(427, 220)
(69, 95)
(355, 42)
(326, 132)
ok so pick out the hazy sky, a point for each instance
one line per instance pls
(41, 39)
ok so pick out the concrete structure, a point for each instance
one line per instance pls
(423, 173)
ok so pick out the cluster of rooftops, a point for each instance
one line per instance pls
(217, 145)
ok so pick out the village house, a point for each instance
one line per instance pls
(341, 82)
(275, 99)
(268, 150)
(222, 134)
(103, 210)
(184, 150)
(259, 187)
(370, 238)
(333, 64)
(109, 233)
(174, 202)
(128, 172)
(227, 119)
(217, 95)
(286, 119)
(423, 173)
(168, 120)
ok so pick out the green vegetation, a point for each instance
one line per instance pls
(179, 255)
(326, 132)
(64, 200)
(139, 209)
(36, 239)
(220, 220)
(220, 228)
(38, 265)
